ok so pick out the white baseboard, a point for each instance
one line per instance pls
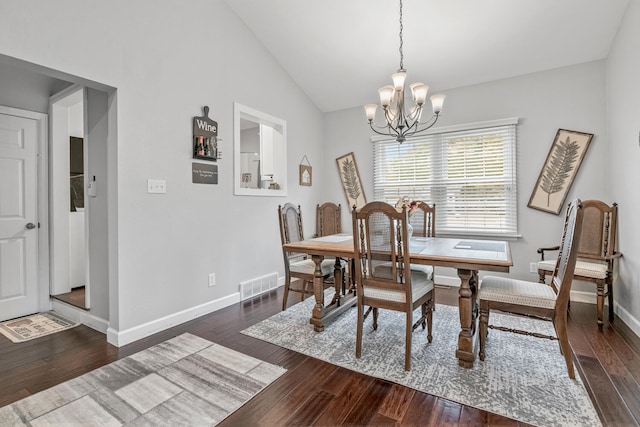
(123, 337)
(79, 315)
(627, 318)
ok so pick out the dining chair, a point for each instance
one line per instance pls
(596, 253)
(423, 220)
(296, 265)
(385, 277)
(536, 299)
(329, 221)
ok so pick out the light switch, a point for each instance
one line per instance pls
(156, 186)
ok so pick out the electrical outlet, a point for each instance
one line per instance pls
(533, 267)
(212, 279)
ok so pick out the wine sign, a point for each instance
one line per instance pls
(205, 137)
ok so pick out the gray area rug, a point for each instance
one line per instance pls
(523, 378)
(185, 381)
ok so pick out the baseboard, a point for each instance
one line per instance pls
(124, 337)
(79, 315)
(627, 318)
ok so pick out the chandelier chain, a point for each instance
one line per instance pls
(401, 41)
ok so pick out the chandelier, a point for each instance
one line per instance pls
(400, 122)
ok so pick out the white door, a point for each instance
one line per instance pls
(18, 216)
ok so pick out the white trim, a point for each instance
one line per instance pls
(627, 318)
(79, 315)
(120, 338)
(454, 128)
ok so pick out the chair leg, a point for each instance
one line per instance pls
(359, 330)
(565, 349)
(541, 276)
(285, 295)
(610, 296)
(375, 319)
(424, 307)
(431, 307)
(484, 326)
(407, 349)
(600, 303)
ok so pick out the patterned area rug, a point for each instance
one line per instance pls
(523, 378)
(185, 381)
(35, 326)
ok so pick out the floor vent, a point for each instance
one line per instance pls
(257, 286)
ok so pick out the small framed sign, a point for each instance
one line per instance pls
(204, 173)
(305, 172)
(205, 137)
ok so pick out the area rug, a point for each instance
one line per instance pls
(185, 381)
(523, 378)
(35, 326)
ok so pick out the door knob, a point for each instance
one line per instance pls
(31, 226)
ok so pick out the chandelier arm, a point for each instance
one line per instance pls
(394, 134)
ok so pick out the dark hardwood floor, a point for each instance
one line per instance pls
(313, 392)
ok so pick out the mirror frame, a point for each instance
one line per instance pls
(243, 112)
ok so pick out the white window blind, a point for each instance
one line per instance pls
(468, 172)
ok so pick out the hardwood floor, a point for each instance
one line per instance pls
(313, 392)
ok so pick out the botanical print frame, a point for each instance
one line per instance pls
(351, 183)
(559, 170)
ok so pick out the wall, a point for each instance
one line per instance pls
(569, 98)
(623, 111)
(168, 62)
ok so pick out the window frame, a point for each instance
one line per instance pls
(439, 186)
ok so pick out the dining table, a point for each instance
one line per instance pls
(466, 255)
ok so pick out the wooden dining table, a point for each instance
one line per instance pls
(467, 256)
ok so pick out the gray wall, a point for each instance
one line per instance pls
(623, 122)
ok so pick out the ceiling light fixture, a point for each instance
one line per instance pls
(401, 123)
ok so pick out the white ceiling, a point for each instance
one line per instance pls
(341, 51)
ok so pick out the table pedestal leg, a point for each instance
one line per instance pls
(318, 292)
(466, 303)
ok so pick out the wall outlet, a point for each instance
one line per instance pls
(212, 279)
(533, 267)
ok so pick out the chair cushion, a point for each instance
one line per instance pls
(520, 292)
(595, 270)
(307, 266)
(421, 283)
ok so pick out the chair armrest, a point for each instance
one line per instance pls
(541, 251)
(614, 256)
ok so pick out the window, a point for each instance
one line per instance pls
(469, 172)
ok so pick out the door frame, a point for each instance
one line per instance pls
(60, 105)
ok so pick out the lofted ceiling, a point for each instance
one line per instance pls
(341, 51)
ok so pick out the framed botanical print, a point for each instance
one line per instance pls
(350, 177)
(559, 170)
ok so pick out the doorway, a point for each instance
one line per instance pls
(69, 188)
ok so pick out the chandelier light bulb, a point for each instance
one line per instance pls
(436, 102)
(386, 96)
(398, 80)
(419, 92)
(371, 111)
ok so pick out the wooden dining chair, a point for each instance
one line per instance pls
(423, 220)
(296, 265)
(596, 254)
(385, 277)
(536, 299)
(328, 219)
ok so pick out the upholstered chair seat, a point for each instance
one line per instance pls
(594, 270)
(307, 266)
(520, 292)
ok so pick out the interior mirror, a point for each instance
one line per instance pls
(259, 153)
